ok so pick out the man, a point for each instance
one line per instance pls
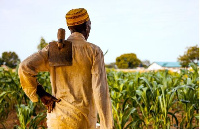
(80, 89)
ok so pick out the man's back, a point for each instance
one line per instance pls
(78, 80)
(82, 87)
(74, 83)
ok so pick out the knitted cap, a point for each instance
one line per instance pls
(77, 17)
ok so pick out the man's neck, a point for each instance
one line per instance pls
(83, 33)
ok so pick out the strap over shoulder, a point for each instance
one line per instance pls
(60, 56)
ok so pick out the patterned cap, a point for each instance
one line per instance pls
(77, 17)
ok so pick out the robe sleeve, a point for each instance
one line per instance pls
(101, 92)
(28, 70)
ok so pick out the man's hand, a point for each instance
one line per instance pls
(47, 99)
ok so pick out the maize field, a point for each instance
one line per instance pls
(152, 100)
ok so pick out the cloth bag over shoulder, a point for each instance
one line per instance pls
(60, 53)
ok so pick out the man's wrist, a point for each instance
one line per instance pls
(40, 91)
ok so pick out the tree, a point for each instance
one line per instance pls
(9, 59)
(111, 65)
(126, 61)
(190, 56)
(1, 61)
(145, 63)
(42, 44)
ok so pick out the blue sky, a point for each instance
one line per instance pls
(155, 30)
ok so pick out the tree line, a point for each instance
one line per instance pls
(130, 60)
(125, 61)
(11, 59)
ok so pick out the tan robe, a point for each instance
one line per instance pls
(82, 87)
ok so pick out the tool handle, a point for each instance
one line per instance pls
(61, 37)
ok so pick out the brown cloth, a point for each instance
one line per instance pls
(82, 87)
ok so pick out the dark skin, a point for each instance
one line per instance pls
(47, 99)
(85, 30)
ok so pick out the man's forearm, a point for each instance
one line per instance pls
(47, 99)
(40, 91)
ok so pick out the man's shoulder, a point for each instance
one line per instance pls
(94, 47)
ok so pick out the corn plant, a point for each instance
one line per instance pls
(154, 98)
(144, 105)
(189, 98)
(139, 100)
(121, 109)
(166, 100)
(11, 93)
(28, 118)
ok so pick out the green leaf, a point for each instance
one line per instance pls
(126, 116)
(197, 116)
(124, 104)
(182, 122)
(185, 101)
(173, 116)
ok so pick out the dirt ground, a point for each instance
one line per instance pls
(12, 120)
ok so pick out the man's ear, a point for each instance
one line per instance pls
(70, 29)
(87, 28)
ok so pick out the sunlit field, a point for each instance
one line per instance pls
(161, 99)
